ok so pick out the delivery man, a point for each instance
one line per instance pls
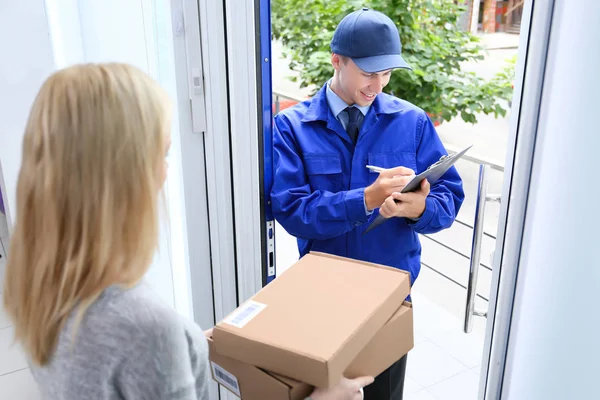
(323, 192)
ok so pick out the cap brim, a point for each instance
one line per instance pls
(381, 63)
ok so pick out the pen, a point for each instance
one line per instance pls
(375, 169)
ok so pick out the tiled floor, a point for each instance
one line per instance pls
(16, 381)
(445, 362)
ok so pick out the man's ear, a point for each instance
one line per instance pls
(336, 61)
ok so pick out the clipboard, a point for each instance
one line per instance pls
(432, 174)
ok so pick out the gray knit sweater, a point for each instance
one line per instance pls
(129, 346)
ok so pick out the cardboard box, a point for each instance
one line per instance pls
(392, 342)
(389, 345)
(252, 383)
(314, 320)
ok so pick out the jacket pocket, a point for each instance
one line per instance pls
(392, 160)
(324, 171)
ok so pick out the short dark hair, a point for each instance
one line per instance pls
(344, 59)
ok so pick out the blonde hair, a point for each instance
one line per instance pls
(87, 196)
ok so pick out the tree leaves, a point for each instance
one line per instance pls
(432, 45)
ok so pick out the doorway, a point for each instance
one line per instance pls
(448, 358)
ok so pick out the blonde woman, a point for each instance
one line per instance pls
(86, 230)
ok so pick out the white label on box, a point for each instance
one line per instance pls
(226, 379)
(245, 313)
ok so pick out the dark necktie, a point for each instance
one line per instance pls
(353, 121)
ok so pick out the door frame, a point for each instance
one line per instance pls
(530, 69)
(250, 229)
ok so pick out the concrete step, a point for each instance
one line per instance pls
(514, 28)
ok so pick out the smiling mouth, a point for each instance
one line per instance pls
(368, 96)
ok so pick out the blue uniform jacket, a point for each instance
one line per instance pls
(320, 178)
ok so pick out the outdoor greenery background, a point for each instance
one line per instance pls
(433, 45)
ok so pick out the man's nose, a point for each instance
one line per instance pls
(377, 84)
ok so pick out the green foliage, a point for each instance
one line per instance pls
(433, 45)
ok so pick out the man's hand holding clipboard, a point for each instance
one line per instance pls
(419, 183)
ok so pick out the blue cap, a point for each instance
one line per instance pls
(371, 39)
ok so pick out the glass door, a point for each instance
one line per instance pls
(456, 296)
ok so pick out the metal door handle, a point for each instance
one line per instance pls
(482, 198)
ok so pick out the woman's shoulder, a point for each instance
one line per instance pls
(133, 333)
(139, 313)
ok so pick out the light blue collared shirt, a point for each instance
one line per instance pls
(337, 105)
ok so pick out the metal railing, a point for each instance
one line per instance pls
(478, 232)
(278, 95)
(475, 260)
(483, 198)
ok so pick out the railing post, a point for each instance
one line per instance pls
(476, 251)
